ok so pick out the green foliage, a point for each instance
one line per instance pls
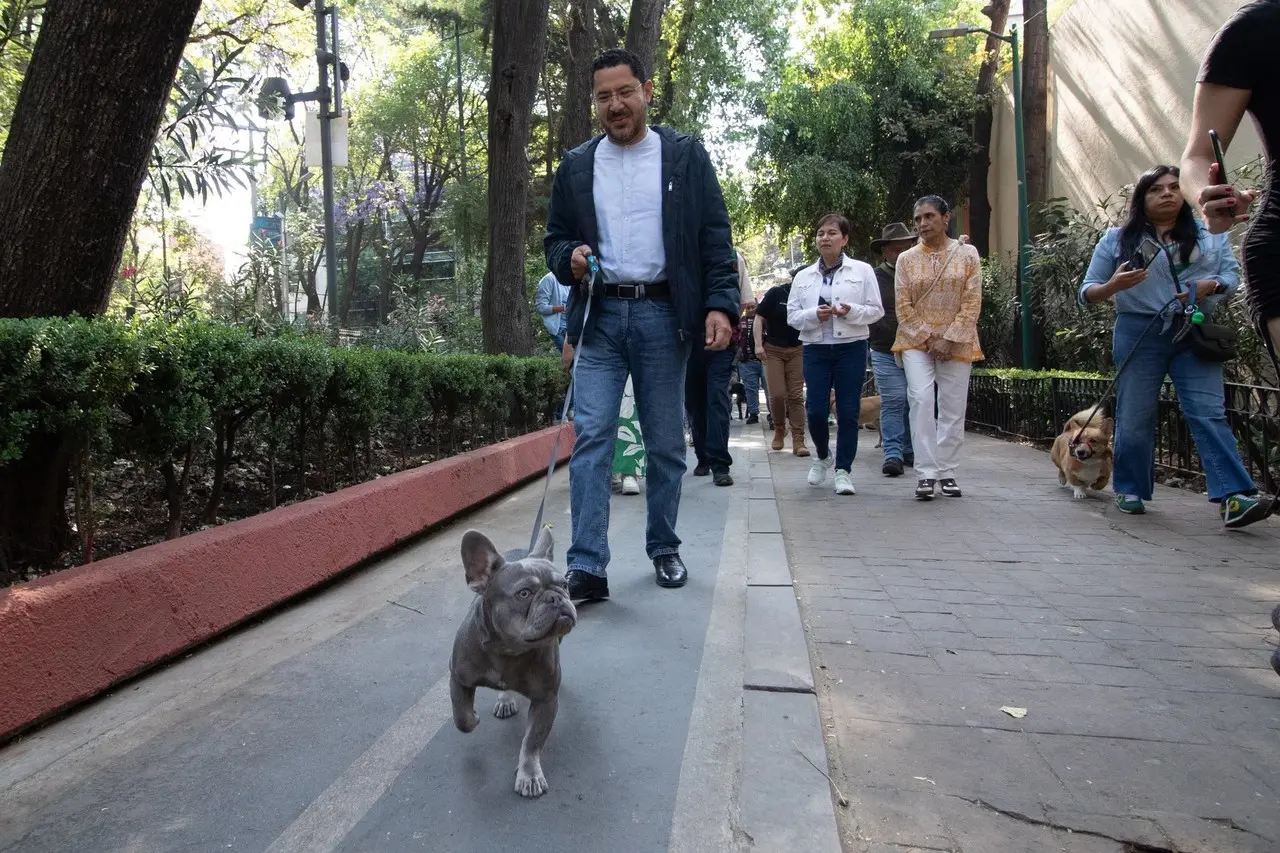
(1017, 373)
(19, 24)
(169, 396)
(706, 57)
(64, 375)
(871, 115)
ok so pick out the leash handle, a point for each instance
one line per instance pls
(593, 274)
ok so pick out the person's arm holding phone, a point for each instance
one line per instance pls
(1104, 279)
(1236, 62)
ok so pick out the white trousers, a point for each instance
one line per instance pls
(936, 440)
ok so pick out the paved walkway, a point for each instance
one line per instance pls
(688, 719)
(1139, 648)
(327, 726)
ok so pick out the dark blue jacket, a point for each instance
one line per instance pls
(702, 268)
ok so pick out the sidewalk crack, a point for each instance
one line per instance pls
(1130, 845)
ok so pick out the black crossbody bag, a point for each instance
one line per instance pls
(1211, 342)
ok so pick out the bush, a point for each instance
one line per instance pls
(198, 407)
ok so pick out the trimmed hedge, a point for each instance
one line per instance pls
(198, 396)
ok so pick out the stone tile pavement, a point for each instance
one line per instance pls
(1139, 647)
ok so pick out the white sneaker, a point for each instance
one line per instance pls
(844, 483)
(818, 471)
(630, 485)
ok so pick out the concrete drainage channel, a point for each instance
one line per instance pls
(786, 800)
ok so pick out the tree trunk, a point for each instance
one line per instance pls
(77, 152)
(575, 123)
(1035, 100)
(519, 45)
(644, 27)
(980, 168)
(83, 129)
(33, 515)
(666, 94)
(606, 26)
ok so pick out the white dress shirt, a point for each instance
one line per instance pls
(627, 185)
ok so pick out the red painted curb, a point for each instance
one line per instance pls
(70, 636)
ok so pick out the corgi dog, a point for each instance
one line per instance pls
(869, 412)
(1086, 463)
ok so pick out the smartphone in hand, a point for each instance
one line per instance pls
(1145, 254)
(1217, 155)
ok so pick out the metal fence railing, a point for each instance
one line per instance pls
(1035, 410)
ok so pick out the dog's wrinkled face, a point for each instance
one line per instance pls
(1094, 441)
(526, 600)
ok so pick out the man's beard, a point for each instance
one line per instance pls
(633, 126)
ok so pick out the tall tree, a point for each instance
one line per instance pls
(979, 173)
(83, 128)
(575, 121)
(519, 46)
(82, 133)
(644, 28)
(870, 117)
(1035, 99)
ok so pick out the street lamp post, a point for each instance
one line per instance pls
(276, 100)
(1024, 220)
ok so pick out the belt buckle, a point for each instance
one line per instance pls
(631, 291)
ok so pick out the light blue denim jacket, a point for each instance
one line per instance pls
(1212, 259)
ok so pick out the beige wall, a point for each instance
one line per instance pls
(1121, 81)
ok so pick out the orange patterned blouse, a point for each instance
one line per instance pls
(948, 309)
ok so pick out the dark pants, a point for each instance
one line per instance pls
(706, 396)
(840, 367)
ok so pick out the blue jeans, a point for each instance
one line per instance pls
(706, 394)
(639, 337)
(842, 367)
(750, 372)
(558, 337)
(895, 428)
(1199, 386)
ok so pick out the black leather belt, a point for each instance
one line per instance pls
(638, 290)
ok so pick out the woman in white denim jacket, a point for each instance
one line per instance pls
(833, 304)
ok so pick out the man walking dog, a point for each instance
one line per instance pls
(646, 203)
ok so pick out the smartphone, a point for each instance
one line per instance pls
(1143, 256)
(1217, 155)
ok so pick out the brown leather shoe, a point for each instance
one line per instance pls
(779, 436)
(797, 444)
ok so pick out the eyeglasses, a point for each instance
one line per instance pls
(625, 93)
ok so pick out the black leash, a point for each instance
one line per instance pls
(1191, 311)
(1120, 370)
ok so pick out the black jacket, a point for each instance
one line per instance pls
(884, 330)
(702, 268)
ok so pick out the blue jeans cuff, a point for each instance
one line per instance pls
(591, 570)
(662, 552)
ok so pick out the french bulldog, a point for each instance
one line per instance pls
(510, 642)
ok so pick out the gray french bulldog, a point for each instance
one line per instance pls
(510, 641)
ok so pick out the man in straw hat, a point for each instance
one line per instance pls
(891, 380)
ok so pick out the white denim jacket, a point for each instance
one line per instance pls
(854, 285)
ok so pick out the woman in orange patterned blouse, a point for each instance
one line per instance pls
(938, 286)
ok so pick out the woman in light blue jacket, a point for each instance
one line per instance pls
(1201, 260)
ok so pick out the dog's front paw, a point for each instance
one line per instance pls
(530, 782)
(1078, 493)
(505, 706)
(467, 723)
